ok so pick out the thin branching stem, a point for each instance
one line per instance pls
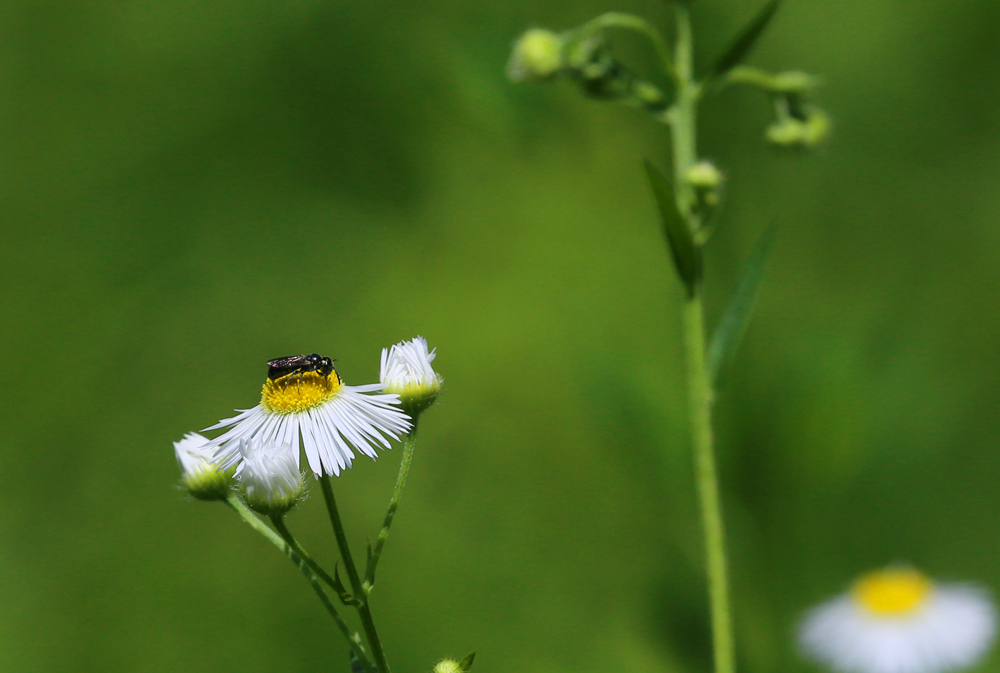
(635, 23)
(353, 638)
(286, 535)
(409, 443)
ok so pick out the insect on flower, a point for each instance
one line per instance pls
(300, 364)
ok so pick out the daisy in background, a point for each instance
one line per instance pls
(897, 620)
(312, 402)
(406, 371)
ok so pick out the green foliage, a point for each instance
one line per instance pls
(684, 251)
(736, 319)
(741, 45)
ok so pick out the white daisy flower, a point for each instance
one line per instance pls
(270, 479)
(898, 621)
(331, 418)
(200, 474)
(406, 370)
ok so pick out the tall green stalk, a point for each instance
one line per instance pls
(682, 118)
(364, 612)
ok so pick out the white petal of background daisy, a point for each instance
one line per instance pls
(406, 370)
(331, 418)
(200, 473)
(898, 621)
(270, 478)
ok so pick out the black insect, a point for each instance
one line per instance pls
(299, 364)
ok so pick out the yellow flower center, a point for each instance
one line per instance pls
(893, 592)
(295, 392)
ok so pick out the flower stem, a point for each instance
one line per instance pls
(700, 409)
(682, 119)
(630, 22)
(286, 535)
(364, 612)
(353, 638)
(409, 443)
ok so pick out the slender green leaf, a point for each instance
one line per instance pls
(338, 586)
(466, 664)
(744, 42)
(686, 253)
(735, 320)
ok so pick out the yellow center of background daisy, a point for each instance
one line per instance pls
(893, 592)
(296, 392)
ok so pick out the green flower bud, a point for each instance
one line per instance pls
(816, 129)
(200, 475)
(703, 175)
(787, 132)
(537, 56)
(448, 666)
(805, 133)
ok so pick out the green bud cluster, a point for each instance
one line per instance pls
(798, 126)
(705, 181)
(537, 56)
(541, 55)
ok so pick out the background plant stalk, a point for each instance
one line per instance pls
(682, 118)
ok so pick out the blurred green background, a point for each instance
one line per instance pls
(189, 189)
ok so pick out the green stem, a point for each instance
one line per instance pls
(286, 535)
(682, 118)
(353, 638)
(629, 22)
(700, 409)
(364, 612)
(409, 443)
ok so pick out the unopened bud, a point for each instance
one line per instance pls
(406, 371)
(706, 180)
(200, 474)
(447, 666)
(703, 175)
(270, 480)
(787, 132)
(537, 56)
(800, 133)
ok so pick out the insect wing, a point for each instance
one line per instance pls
(288, 361)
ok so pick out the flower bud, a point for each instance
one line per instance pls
(806, 133)
(537, 56)
(786, 132)
(406, 371)
(706, 181)
(448, 666)
(200, 474)
(270, 480)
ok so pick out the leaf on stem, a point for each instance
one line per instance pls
(686, 253)
(338, 586)
(466, 664)
(744, 42)
(735, 320)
